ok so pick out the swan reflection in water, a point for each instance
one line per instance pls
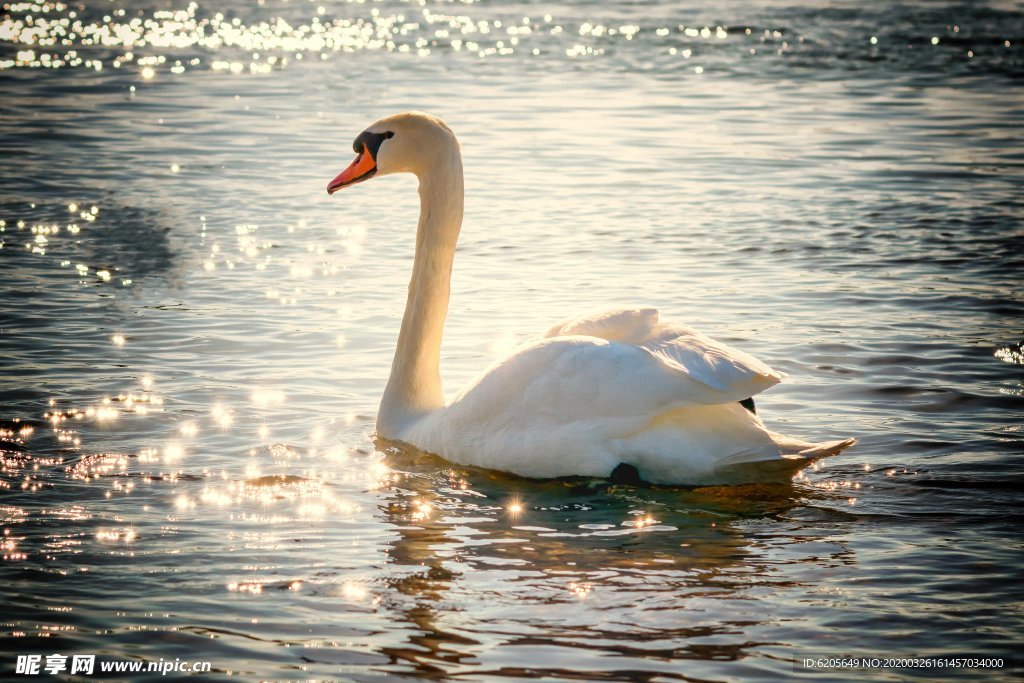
(485, 561)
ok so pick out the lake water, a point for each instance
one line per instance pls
(194, 336)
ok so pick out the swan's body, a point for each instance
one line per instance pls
(596, 392)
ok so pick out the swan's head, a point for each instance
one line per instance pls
(411, 142)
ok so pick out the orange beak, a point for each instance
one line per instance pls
(359, 170)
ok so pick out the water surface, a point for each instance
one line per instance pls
(194, 337)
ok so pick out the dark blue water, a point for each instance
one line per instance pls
(190, 371)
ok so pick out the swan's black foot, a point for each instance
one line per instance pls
(748, 403)
(625, 474)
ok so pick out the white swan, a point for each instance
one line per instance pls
(596, 394)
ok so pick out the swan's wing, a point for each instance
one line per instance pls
(717, 365)
(566, 379)
(711, 362)
(629, 325)
(551, 407)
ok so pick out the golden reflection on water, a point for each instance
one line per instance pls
(125, 536)
(53, 35)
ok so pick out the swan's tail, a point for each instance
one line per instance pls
(795, 455)
(718, 444)
(823, 450)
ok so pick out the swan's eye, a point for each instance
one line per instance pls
(370, 142)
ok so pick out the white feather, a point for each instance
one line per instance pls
(579, 405)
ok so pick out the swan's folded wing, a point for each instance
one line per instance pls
(582, 380)
(731, 372)
(628, 325)
(734, 373)
(559, 406)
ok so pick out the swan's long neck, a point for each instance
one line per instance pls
(414, 387)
